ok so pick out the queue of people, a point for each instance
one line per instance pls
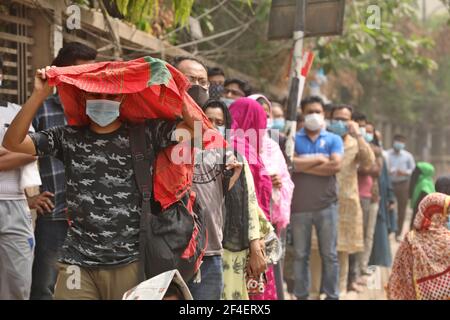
(326, 216)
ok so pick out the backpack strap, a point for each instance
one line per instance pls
(143, 157)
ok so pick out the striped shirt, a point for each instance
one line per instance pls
(50, 115)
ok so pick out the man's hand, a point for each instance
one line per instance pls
(41, 87)
(323, 159)
(235, 166)
(257, 262)
(276, 181)
(391, 206)
(401, 173)
(353, 129)
(42, 203)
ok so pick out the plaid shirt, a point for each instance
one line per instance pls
(51, 115)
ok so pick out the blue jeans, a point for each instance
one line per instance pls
(211, 285)
(50, 236)
(325, 221)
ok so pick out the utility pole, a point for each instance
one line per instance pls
(296, 88)
(424, 11)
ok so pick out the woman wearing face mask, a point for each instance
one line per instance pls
(249, 117)
(283, 187)
(241, 226)
(275, 127)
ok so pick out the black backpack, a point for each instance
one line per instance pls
(169, 239)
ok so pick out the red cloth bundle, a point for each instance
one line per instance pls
(152, 89)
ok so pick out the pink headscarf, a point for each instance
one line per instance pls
(248, 114)
(275, 163)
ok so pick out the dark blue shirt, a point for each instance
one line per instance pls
(51, 115)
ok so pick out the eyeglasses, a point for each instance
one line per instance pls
(202, 82)
(233, 92)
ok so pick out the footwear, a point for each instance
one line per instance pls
(363, 280)
(356, 287)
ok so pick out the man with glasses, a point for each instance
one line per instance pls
(235, 89)
(196, 72)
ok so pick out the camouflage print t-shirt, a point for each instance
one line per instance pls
(103, 199)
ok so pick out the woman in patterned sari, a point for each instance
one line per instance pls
(421, 268)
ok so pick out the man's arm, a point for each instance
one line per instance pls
(411, 165)
(366, 156)
(329, 168)
(13, 160)
(16, 138)
(302, 164)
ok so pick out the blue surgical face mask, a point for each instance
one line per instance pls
(398, 146)
(278, 124)
(227, 101)
(338, 127)
(103, 112)
(221, 130)
(369, 137)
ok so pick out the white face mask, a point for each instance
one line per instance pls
(102, 111)
(314, 121)
(362, 130)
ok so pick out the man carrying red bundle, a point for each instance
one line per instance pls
(102, 195)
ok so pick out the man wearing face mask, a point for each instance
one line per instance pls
(235, 89)
(358, 154)
(196, 72)
(401, 164)
(104, 202)
(208, 177)
(318, 157)
(216, 78)
(51, 223)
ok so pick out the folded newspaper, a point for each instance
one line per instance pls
(156, 287)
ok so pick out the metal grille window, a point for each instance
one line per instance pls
(14, 48)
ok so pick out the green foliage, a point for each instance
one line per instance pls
(386, 48)
(143, 12)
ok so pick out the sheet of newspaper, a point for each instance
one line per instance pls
(156, 287)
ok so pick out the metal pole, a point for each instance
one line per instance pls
(296, 87)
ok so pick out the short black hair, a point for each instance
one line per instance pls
(216, 103)
(73, 51)
(328, 107)
(310, 100)
(178, 59)
(215, 71)
(243, 85)
(1, 63)
(359, 116)
(399, 136)
(443, 185)
(341, 107)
